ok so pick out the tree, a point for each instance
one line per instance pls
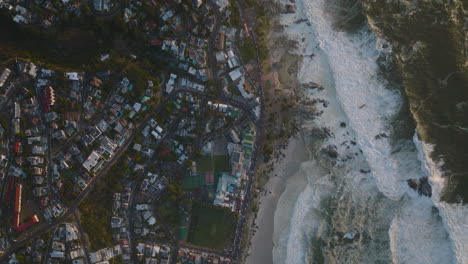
(86, 9)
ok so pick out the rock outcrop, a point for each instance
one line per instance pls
(422, 186)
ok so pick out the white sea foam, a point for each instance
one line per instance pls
(363, 96)
(418, 235)
(455, 216)
(303, 217)
(346, 66)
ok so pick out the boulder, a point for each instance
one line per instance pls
(381, 135)
(424, 187)
(331, 151)
(321, 133)
(413, 184)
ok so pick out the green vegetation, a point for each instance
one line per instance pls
(247, 50)
(139, 72)
(193, 182)
(262, 28)
(169, 211)
(74, 42)
(235, 15)
(183, 225)
(96, 210)
(213, 164)
(65, 105)
(211, 227)
(72, 48)
(69, 190)
(429, 48)
(23, 259)
(139, 76)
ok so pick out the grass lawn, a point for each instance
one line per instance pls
(193, 182)
(247, 50)
(213, 164)
(211, 227)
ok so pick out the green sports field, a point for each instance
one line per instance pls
(211, 227)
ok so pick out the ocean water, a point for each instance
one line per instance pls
(358, 207)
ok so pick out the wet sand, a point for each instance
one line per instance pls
(261, 249)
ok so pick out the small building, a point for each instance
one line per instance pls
(73, 76)
(57, 254)
(221, 41)
(4, 76)
(91, 161)
(48, 97)
(235, 74)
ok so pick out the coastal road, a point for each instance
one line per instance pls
(250, 21)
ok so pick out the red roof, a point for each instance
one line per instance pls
(164, 152)
(19, 188)
(17, 147)
(34, 219)
(209, 178)
(16, 220)
(156, 42)
(50, 95)
(48, 98)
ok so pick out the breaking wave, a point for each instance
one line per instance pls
(358, 207)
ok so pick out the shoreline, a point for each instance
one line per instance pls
(415, 215)
(280, 69)
(261, 239)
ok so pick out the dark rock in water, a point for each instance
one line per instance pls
(413, 184)
(424, 187)
(300, 21)
(290, 9)
(312, 85)
(331, 151)
(321, 133)
(381, 135)
(342, 124)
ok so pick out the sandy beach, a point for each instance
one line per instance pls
(261, 249)
(282, 69)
